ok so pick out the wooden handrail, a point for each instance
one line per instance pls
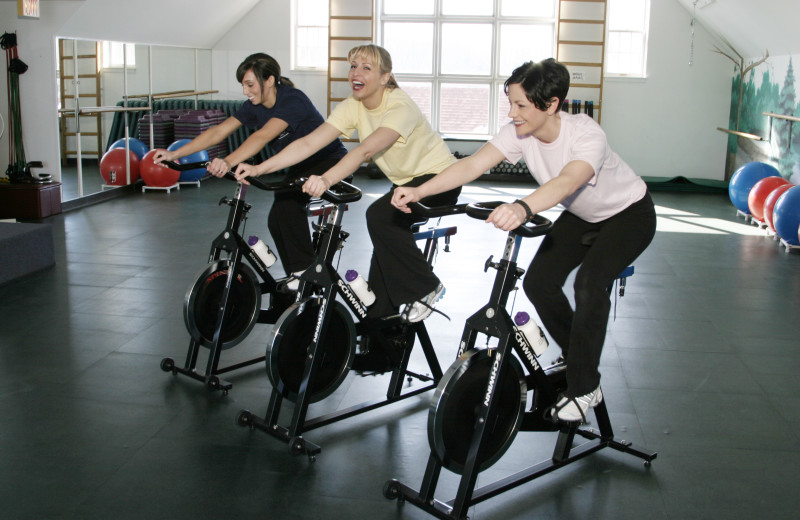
(173, 94)
(754, 137)
(782, 116)
(96, 110)
(185, 94)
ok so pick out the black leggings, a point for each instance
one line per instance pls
(399, 272)
(602, 250)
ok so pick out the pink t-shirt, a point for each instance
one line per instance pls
(614, 186)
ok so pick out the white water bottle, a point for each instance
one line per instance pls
(533, 334)
(360, 287)
(262, 250)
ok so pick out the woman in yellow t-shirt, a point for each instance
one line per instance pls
(398, 138)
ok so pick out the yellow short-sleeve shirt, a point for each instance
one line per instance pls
(418, 151)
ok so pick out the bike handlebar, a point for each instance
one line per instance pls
(345, 192)
(438, 211)
(538, 226)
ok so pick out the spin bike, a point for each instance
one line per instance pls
(224, 303)
(480, 403)
(314, 344)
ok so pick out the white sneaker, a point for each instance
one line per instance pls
(294, 283)
(421, 309)
(573, 409)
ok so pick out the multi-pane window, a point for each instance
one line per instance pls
(452, 56)
(310, 34)
(117, 54)
(628, 22)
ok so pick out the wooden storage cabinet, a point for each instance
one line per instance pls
(30, 201)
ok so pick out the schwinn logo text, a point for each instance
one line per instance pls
(320, 317)
(492, 378)
(352, 298)
(256, 260)
(522, 341)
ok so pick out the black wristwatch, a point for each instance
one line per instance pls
(528, 212)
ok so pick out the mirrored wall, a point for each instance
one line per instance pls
(110, 76)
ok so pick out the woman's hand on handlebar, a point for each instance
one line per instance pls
(164, 155)
(245, 170)
(218, 167)
(316, 185)
(403, 196)
(507, 216)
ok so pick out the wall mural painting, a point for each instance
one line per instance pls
(769, 87)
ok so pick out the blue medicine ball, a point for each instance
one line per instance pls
(743, 181)
(134, 145)
(201, 156)
(786, 215)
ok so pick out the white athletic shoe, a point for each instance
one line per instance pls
(421, 309)
(573, 409)
(294, 283)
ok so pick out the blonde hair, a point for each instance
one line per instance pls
(379, 57)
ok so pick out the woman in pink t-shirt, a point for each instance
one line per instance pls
(609, 218)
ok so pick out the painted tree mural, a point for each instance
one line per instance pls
(783, 129)
(776, 93)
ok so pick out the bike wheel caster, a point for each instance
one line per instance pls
(244, 419)
(168, 365)
(391, 490)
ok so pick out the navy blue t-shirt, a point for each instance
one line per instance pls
(293, 107)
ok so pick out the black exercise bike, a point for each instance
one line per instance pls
(225, 302)
(314, 346)
(480, 403)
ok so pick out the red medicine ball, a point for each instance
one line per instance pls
(157, 175)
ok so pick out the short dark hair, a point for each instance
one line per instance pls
(263, 66)
(541, 82)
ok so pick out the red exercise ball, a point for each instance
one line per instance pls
(758, 193)
(769, 203)
(112, 167)
(157, 175)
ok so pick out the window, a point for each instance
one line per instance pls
(117, 54)
(452, 56)
(628, 23)
(310, 35)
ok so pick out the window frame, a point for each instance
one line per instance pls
(494, 80)
(645, 32)
(295, 65)
(107, 51)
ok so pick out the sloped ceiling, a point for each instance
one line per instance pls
(184, 23)
(751, 27)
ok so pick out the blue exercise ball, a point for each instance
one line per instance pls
(786, 215)
(743, 181)
(201, 156)
(134, 145)
(178, 144)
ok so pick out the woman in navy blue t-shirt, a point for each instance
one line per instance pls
(279, 114)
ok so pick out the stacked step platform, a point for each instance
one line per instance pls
(192, 123)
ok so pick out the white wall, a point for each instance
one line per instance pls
(37, 48)
(665, 125)
(266, 28)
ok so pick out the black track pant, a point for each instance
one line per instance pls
(399, 272)
(288, 220)
(602, 250)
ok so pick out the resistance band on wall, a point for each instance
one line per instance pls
(18, 169)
